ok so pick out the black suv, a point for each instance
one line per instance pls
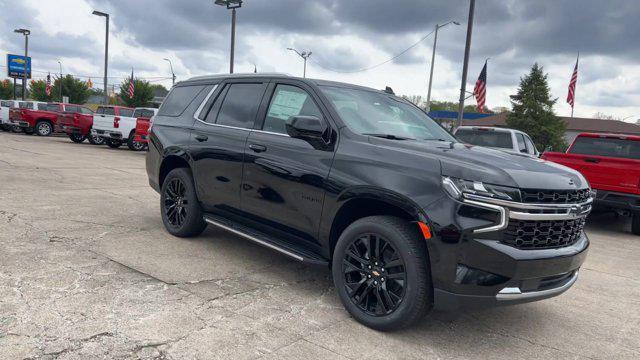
(364, 182)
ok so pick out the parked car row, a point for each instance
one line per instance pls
(110, 125)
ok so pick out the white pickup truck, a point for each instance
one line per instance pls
(507, 140)
(116, 125)
(5, 105)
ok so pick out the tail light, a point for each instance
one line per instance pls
(116, 122)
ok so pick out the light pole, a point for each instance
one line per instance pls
(304, 55)
(26, 34)
(465, 66)
(433, 59)
(173, 75)
(106, 52)
(231, 5)
(60, 63)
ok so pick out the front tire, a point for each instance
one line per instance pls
(134, 145)
(179, 206)
(114, 144)
(77, 138)
(44, 128)
(635, 223)
(382, 273)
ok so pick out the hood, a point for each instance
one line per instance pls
(496, 167)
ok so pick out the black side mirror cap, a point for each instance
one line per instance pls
(306, 127)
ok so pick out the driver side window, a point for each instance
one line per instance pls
(288, 101)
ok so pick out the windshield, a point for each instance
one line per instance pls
(488, 138)
(375, 113)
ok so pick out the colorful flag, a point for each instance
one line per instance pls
(480, 90)
(131, 85)
(47, 89)
(571, 96)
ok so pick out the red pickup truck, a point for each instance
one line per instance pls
(33, 116)
(143, 122)
(76, 121)
(611, 164)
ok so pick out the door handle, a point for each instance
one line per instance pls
(201, 137)
(592, 160)
(257, 148)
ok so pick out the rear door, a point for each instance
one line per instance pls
(609, 163)
(124, 122)
(218, 140)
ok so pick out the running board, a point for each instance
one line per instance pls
(280, 245)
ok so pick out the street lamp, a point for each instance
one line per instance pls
(106, 52)
(26, 34)
(60, 63)
(231, 5)
(433, 59)
(173, 75)
(304, 55)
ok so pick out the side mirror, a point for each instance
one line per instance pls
(306, 127)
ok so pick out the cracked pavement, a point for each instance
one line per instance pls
(87, 271)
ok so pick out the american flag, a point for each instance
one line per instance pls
(571, 97)
(480, 90)
(131, 86)
(47, 88)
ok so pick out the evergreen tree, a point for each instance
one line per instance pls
(142, 95)
(77, 90)
(532, 111)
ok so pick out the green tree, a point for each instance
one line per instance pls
(6, 89)
(37, 88)
(142, 94)
(77, 90)
(532, 111)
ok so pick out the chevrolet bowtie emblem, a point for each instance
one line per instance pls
(375, 273)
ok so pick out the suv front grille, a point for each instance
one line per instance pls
(528, 234)
(555, 196)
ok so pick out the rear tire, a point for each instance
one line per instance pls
(179, 206)
(114, 144)
(77, 138)
(388, 288)
(95, 140)
(134, 145)
(15, 128)
(635, 223)
(44, 128)
(5, 127)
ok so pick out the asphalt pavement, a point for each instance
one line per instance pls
(87, 271)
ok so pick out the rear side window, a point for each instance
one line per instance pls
(85, 111)
(53, 107)
(6, 104)
(126, 112)
(488, 138)
(25, 105)
(107, 111)
(620, 148)
(42, 106)
(144, 113)
(72, 109)
(178, 100)
(240, 105)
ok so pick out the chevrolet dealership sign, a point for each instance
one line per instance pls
(16, 64)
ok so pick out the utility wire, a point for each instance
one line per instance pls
(377, 65)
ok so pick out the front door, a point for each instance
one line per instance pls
(284, 177)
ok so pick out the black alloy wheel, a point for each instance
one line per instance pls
(374, 275)
(175, 202)
(77, 138)
(134, 145)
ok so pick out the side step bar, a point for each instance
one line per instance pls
(280, 245)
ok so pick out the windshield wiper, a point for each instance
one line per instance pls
(389, 136)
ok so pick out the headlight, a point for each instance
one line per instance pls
(457, 187)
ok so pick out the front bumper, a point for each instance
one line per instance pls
(107, 134)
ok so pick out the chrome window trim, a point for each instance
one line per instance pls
(196, 114)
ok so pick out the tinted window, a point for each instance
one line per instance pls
(107, 111)
(6, 104)
(42, 106)
(145, 113)
(178, 100)
(53, 107)
(606, 147)
(288, 101)
(240, 105)
(100, 110)
(522, 147)
(25, 105)
(488, 138)
(72, 109)
(126, 112)
(85, 111)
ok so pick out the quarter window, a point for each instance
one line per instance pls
(288, 101)
(521, 145)
(240, 105)
(72, 109)
(178, 100)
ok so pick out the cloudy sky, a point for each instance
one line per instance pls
(346, 36)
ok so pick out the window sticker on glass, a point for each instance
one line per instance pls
(287, 104)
